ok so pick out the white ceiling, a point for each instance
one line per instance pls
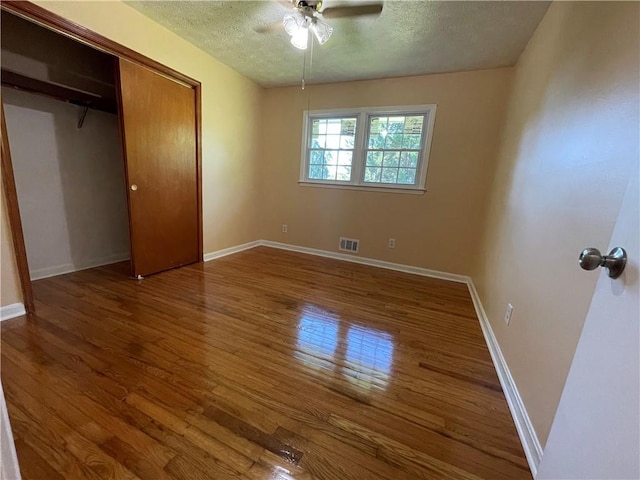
(409, 38)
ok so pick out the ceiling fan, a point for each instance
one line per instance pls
(308, 15)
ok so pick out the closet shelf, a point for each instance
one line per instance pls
(59, 92)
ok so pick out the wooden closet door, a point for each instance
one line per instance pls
(158, 121)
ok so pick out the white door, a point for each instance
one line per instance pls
(596, 430)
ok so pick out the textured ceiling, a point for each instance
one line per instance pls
(408, 38)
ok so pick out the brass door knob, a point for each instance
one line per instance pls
(134, 187)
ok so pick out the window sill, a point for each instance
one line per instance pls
(410, 191)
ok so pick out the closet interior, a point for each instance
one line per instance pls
(105, 155)
(60, 109)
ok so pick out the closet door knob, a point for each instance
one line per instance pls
(134, 187)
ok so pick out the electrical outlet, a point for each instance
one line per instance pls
(284, 228)
(508, 313)
(392, 243)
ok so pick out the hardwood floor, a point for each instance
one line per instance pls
(262, 365)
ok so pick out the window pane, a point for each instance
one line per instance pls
(411, 142)
(374, 159)
(315, 171)
(334, 125)
(316, 157)
(393, 141)
(377, 132)
(318, 141)
(347, 141)
(322, 126)
(333, 141)
(374, 126)
(329, 172)
(345, 157)
(376, 141)
(409, 159)
(372, 174)
(348, 126)
(407, 176)
(331, 157)
(413, 125)
(344, 173)
(389, 175)
(396, 125)
(315, 126)
(391, 159)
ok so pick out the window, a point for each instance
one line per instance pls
(331, 150)
(380, 148)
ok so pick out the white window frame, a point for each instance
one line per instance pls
(360, 147)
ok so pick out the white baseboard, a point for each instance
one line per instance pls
(339, 256)
(372, 262)
(9, 468)
(528, 436)
(12, 311)
(69, 267)
(228, 251)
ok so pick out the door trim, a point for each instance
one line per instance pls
(13, 211)
(36, 14)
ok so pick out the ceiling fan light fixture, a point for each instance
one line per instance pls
(293, 22)
(300, 39)
(322, 31)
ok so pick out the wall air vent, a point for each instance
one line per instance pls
(348, 245)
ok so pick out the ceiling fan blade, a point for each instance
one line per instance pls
(275, 26)
(268, 28)
(352, 11)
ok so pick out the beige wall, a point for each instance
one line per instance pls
(570, 146)
(438, 230)
(230, 105)
(9, 283)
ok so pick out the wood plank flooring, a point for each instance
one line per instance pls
(262, 365)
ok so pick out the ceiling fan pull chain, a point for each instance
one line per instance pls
(311, 56)
(304, 67)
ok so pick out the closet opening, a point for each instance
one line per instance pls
(63, 130)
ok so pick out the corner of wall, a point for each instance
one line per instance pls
(478, 263)
(258, 158)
